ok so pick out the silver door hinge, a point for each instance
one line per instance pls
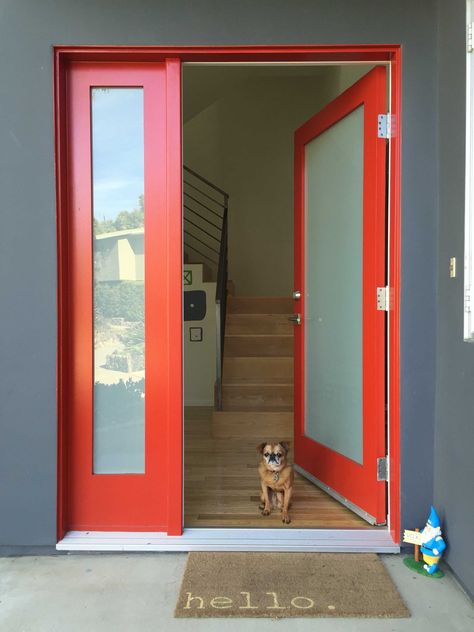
(383, 299)
(467, 300)
(385, 126)
(382, 468)
(469, 37)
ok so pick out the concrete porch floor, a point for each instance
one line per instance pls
(138, 592)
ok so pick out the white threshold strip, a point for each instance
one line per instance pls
(317, 540)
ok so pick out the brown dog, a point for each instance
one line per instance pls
(276, 478)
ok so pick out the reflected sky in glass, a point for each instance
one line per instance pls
(118, 298)
(118, 163)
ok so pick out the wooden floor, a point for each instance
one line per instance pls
(221, 485)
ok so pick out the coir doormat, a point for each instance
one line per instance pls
(288, 585)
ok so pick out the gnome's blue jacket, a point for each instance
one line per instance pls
(434, 547)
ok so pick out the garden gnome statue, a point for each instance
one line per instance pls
(432, 543)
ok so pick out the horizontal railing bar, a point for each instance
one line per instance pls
(200, 241)
(209, 197)
(186, 219)
(191, 210)
(200, 253)
(213, 186)
(202, 204)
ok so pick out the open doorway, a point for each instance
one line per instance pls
(238, 146)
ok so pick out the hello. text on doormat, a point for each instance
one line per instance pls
(288, 585)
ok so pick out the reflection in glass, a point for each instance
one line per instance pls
(333, 286)
(118, 250)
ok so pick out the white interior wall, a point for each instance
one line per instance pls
(243, 141)
(200, 356)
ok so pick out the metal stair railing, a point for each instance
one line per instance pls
(205, 234)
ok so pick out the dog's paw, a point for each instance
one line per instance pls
(285, 518)
(265, 512)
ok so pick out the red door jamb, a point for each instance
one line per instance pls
(175, 258)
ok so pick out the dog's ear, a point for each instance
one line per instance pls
(261, 447)
(285, 445)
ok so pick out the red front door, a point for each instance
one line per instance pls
(122, 316)
(340, 234)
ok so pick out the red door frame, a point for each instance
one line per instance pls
(63, 55)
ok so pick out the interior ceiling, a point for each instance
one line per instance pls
(203, 85)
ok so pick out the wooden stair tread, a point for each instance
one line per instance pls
(263, 381)
(260, 345)
(260, 305)
(257, 407)
(247, 362)
(258, 316)
(251, 426)
(244, 357)
(246, 414)
(254, 324)
(259, 336)
(276, 386)
(267, 314)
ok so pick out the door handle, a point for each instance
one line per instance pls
(295, 318)
(296, 295)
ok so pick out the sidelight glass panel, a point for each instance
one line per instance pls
(118, 250)
(333, 286)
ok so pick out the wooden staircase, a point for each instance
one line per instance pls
(257, 388)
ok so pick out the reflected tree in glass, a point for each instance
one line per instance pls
(118, 250)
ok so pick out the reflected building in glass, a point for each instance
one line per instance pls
(119, 300)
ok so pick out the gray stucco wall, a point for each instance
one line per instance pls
(454, 463)
(28, 29)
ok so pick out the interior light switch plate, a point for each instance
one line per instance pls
(195, 334)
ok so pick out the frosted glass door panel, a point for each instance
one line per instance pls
(118, 247)
(333, 286)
